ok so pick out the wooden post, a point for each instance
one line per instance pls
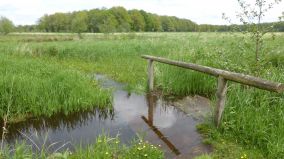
(150, 75)
(221, 99)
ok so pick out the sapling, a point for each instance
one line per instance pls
(251, 17)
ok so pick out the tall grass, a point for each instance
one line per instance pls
(255, 118)
(42, 88)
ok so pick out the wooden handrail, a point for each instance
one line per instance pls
(232, 76)
(223, 77)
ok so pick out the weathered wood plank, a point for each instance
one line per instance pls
(232, 76)
(150, 75)
(221, 99)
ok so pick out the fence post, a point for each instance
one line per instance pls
(150, 75)
(221, 99)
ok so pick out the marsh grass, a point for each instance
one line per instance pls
(42, 88)
(255, 117)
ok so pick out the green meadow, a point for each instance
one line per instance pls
(42, 74)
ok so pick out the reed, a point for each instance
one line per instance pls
(42, 88)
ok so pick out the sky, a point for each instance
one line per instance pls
(200, 11)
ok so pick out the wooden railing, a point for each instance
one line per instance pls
(222, 75)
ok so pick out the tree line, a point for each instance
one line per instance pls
(115, 19)
(118, 19)
(275, 27)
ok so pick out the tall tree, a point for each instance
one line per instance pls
(61, 22)
(153, 22)
(79, 23)
(122, 18)
(6, 25)
(108, 22)
(138, 22)
(94, 19)
(167, 24)
(43, 23)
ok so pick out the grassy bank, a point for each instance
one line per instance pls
(252, 119)
(31, 87)
(104, 148)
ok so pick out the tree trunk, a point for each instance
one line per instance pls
(257, 45)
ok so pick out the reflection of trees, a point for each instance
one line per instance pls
(70, 121)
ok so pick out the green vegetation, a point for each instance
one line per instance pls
(104, 148)
(253, 119)
(78, 23)
(33, 87)
(224, 146)
(251, 18)
(115, 19)
(6, 26)
(110, 148)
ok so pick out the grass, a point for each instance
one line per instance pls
(253, 119)
(225, 147)
(110, 148)
(104, 148)
(39, 88)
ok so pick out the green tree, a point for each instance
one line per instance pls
(167, 24)
(138, 22)
(94, 18)
(108, 24)
(61, 22)
(102, 21)
(184, 24)
(43, 23)
(79, 23)
(156, 23)
(116, 19)
(58, 22)
(251, 17)
(6, 25)
(153, 22)
(122, 18)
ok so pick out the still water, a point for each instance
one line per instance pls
(150, 116)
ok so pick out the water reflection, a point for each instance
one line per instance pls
(152, 101)
(161, 124)
(57, 121)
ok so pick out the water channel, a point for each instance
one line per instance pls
(155, 119)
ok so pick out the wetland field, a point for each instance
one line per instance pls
(51, 76)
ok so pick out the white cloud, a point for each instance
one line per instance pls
(200, 11)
